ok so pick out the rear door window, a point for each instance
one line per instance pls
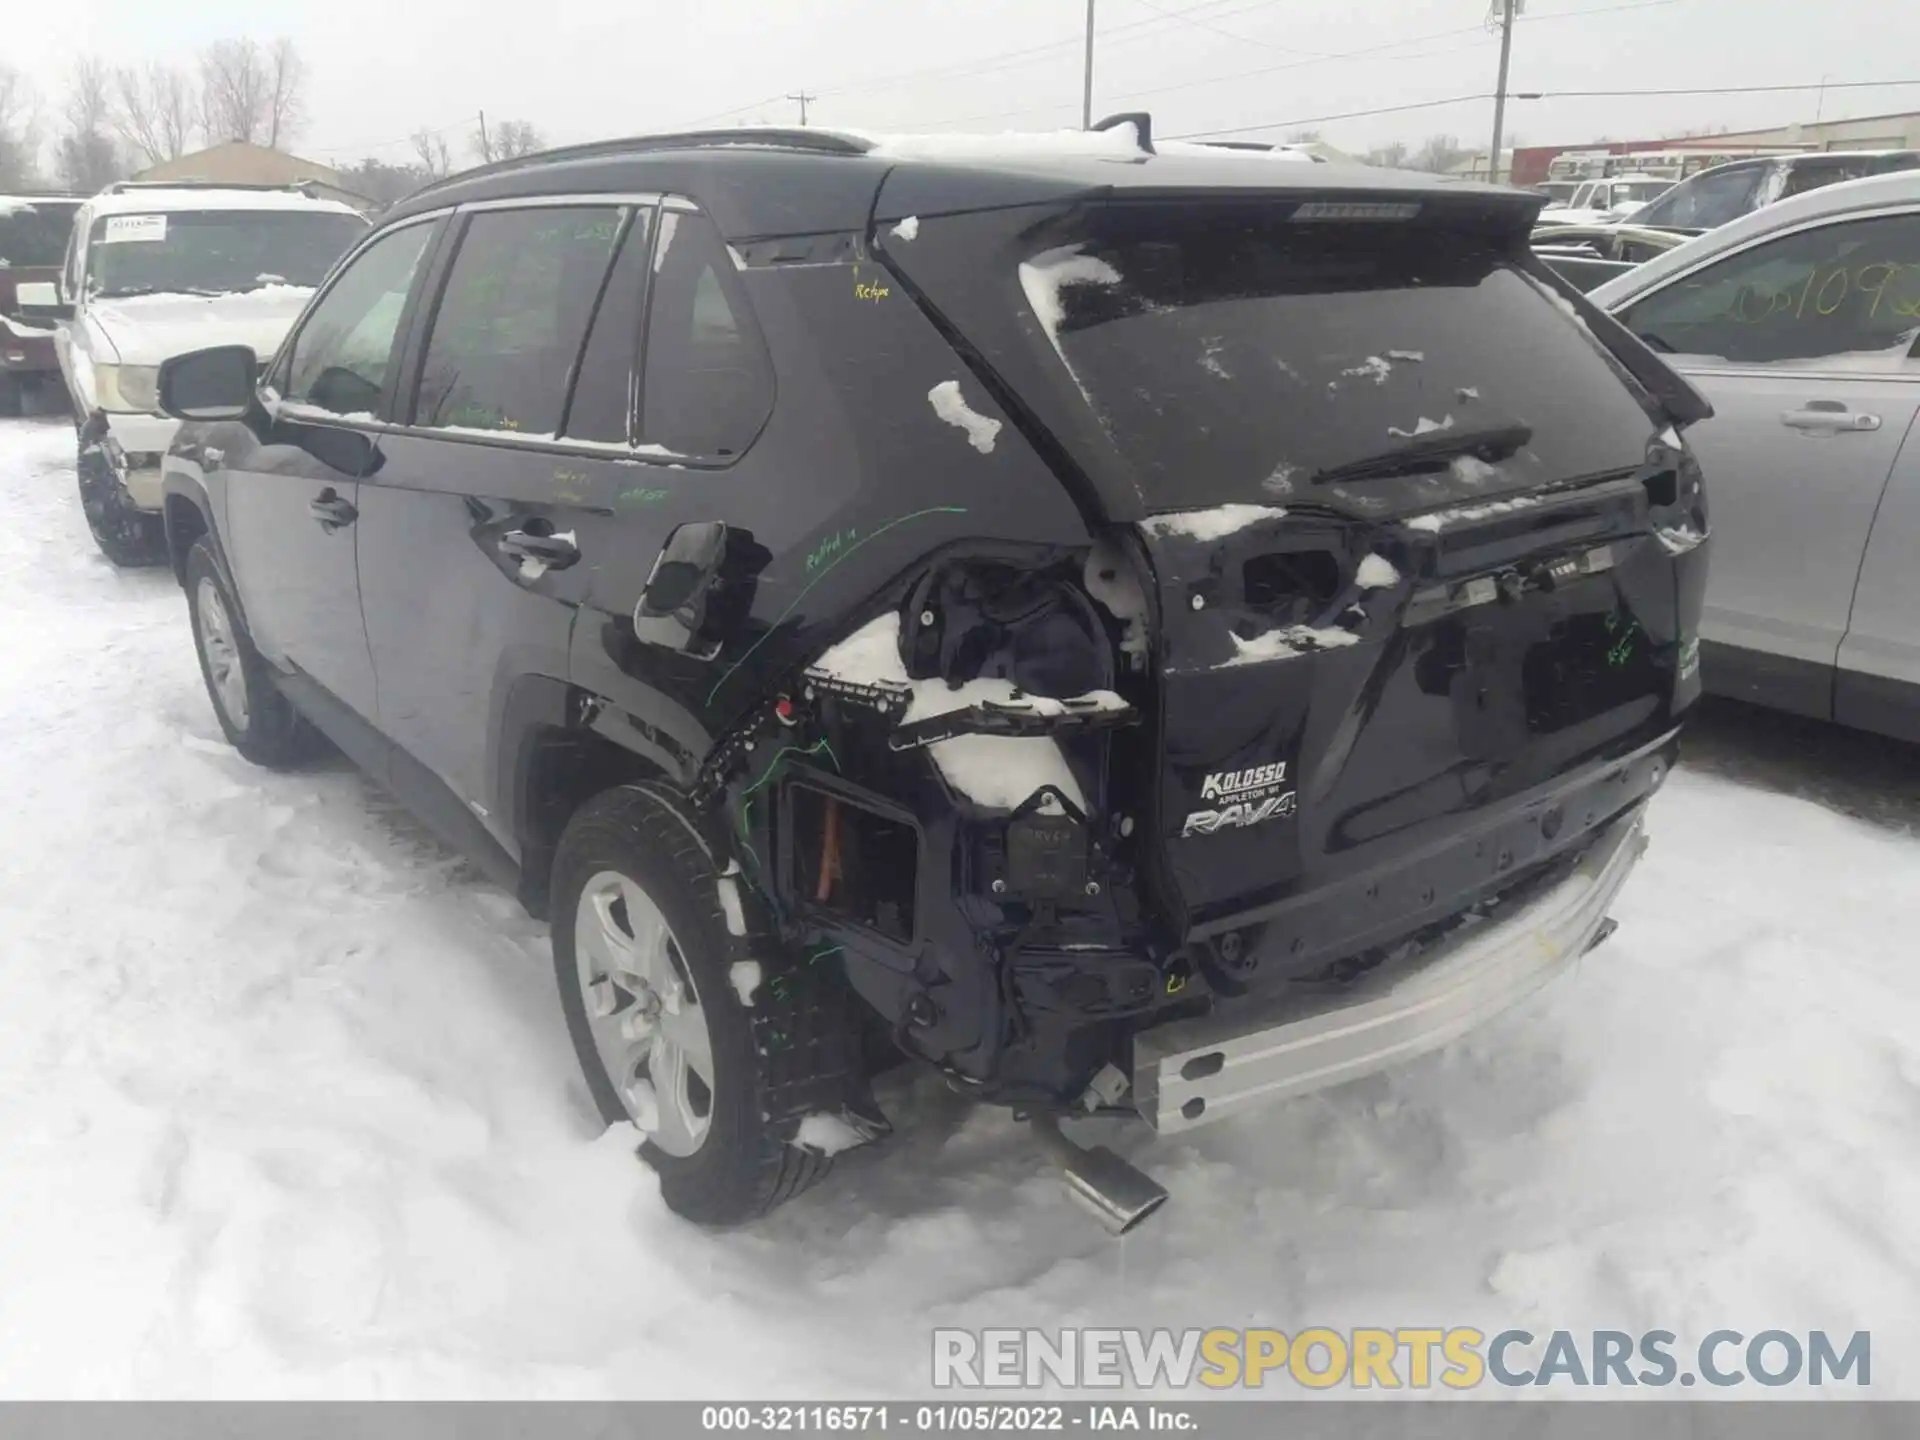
(1846, 295)
(1233, 355)
(512, 318)
(708, 386)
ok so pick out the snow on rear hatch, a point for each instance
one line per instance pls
(1231, 355)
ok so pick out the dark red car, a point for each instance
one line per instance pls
(33, 242)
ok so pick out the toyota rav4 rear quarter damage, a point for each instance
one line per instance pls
(1216, 600)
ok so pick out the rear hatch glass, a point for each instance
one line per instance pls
(1239, 354)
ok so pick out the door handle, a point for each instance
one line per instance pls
(555, 552)
(331, 511)
(1829, 416)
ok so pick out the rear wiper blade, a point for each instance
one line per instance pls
(1432, 451)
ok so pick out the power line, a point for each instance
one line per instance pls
(1300, 64)
(1479, 30)
(1546, 95)
(1213, 29)
(1474, 30)
(1000, 60)
(736, 110)
(1711, 90)
(1344, 115)
(397, 140)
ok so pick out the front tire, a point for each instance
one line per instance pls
(127, 535)
(257, 719)
(645, 959)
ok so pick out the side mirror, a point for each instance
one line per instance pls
(40, 300)
(213, 384)
(672, 612)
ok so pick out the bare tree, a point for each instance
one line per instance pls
(1393, 155)
(18, 132)
(286, 91)
(436, 160)
(233, 88)
(1439, 154)
(87, 158)
(385, 183)
(507, 140)
(251, 94)
(153, 111)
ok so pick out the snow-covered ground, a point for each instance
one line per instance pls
(286, 1105)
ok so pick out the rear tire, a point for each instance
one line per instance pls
(257, 719)
(631, 871)
(127, 535)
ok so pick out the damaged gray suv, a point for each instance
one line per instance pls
(1144, 631)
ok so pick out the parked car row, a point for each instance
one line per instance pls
(33, 237)
(1801, 323)
(1629, 233)
(149, 271)
(1613, 198)
(1800, 320)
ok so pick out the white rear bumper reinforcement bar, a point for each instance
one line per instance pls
(1193, 1072)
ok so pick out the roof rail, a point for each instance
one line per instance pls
(309, 188)
(822, 142)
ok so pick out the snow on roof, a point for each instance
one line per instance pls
(152, 200)
(1287, 154)
(1122, 142)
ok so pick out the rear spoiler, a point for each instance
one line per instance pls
(1683, 404)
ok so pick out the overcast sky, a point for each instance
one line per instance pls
(580, 69)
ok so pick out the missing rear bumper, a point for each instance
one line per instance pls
(1197, 1071)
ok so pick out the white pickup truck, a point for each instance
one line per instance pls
(1613, 198)
(153, 271)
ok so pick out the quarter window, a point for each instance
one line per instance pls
(1846, 295)
(709, 381)
(339, 360)
(511, 321)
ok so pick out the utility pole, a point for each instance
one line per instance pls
(486, 150)
(1508, 9)
(803, 98)
(1086, 91)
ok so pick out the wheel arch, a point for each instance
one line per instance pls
(557, 747)
(188, 515)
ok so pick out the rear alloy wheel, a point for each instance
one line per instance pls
(674, 1026)
(256, 718)
(649, 1027)
(126, 534)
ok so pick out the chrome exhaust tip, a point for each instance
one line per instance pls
(1116, 1194)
